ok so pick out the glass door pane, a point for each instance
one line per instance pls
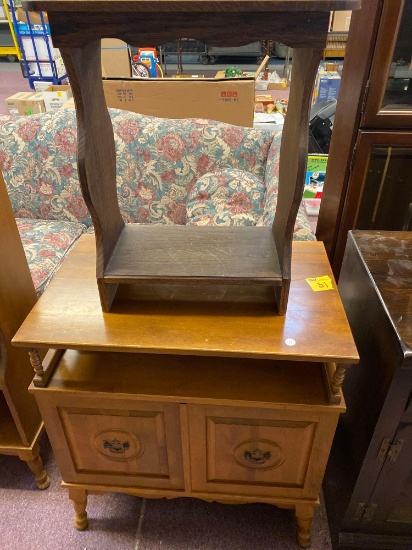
(398, 94)
(387, 197)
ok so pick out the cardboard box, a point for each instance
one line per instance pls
(33, 16)
(40, 44)
(326, 86)
(341, 21)
(56, 96)
(47, 69)
(40, 85)
(69, 104)
(315, 179)
(116, 61)
(188, 76)
(25, 103)
(226, 100)
(278, 85)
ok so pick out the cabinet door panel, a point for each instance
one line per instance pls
(380, 190)
(258, 452)
(393, 492)
(122, 443)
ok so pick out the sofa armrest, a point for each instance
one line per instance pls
(303, 230)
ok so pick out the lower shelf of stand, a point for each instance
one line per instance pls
(186, 254)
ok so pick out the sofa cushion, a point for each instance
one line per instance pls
(46, 244)
(226, 197)
(302, 229)
(160, 160)
(38, 161)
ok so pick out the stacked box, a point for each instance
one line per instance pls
(326, 86)
(25, 103)
(56, 96)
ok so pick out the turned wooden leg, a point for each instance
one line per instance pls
(338, 378)
(304, 514)
(79, 499)
(35, 464)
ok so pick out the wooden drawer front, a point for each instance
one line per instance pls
(250, 450)
(142, 445)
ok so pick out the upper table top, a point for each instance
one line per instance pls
(191, 5)
(148, 319)
(387, 256)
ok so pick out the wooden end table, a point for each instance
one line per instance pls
(175, 393)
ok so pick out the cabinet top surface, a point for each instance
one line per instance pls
(144, 319)
(388, 258)
(191, 5)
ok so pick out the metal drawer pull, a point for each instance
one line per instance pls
(257, 456)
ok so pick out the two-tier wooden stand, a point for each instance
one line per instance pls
(138, 254)
(222, 400)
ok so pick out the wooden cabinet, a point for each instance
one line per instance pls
(371, 459)
(371, 148)
(220, 400)
(167, 433)
(20, 422)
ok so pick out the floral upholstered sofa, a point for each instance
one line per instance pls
(191, 171)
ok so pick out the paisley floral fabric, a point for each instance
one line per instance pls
(46, 244)
(226, 197)
(302, 230)
(38, 161)
(158, 162)
(191, 171)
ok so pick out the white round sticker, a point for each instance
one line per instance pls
(290, 342)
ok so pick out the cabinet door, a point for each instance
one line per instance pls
(116, 442)
(391, 500)
(380, 188)
(259, 452)
(389, 101)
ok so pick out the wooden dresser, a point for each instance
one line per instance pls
(371, 460)
(20, 423)
(177, 393)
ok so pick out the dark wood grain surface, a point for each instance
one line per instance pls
(296, 30)
(293, 157)
(183, 253)
(191, 5)
(388, 257)
(69, 315)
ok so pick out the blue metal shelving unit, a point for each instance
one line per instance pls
(47, 67)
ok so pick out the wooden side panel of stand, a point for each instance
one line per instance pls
(96, 156)
(17, 297)
(293, 158)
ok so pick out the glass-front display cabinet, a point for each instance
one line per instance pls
(369, 180)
